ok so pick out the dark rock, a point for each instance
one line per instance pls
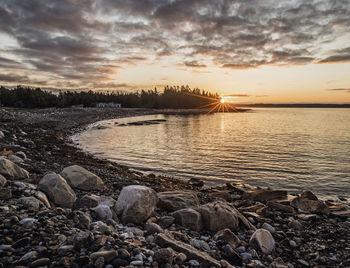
(264, 195)
(174, 200)
(189, 218)
(166, 221)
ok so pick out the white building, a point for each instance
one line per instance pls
(108, 105)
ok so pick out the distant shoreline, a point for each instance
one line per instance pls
(294, 105)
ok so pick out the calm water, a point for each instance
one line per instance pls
(290, 149)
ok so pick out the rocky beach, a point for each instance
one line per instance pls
(60, 207)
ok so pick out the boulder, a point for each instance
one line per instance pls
(57, 190)
(136, 203)
(262, 240)
(176, 200)
(2, 181)
(219, 215)
(189, 218)
(11, 171)
(264, 195)
(80, 178)
(314, 206)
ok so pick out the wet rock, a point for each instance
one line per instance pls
(136, 203)
(314, 206)
(11, 171)
(57, 189)
(30, 202)
(262, 240)
(153, 228)
(2, 181)
(107, 255)
(219, 215)
(174, 200)
(228, 236)
(80, 178)
(264, 195)
(165, 240)
(5, 193)
(188, 218)
(103, 212)
(164, 255)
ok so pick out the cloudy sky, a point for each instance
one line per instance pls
(253, 50)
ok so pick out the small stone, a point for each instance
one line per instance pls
(153, 228)
(193, 263)
(65, 250)
(119, 262)
(268, 227)
(296, 225)
(262, 240)
(99, 263)
(136, 263)
(303, 262)
(180, 258)
(5, 193)
(166, 221)
(108, 255)
(40, 262)
(103, 212)
(292, 244)
(31, 255)
(228, 236)
(21, 242)
(164, 255)
(30, 202)
(82, 240)
(2, 181)
(85, 221)
(28, 222)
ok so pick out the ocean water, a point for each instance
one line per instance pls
(289, 148)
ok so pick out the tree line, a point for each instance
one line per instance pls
(172, 97)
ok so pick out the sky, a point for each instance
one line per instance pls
(250, 50)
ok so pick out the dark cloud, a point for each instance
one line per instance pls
(194, 64)
(87, 41)
(238, 95)
(340, 89)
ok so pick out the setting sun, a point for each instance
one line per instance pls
(222, 100)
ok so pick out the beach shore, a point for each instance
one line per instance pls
(225, 226)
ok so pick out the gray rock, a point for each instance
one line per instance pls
(65, 250)
(15, 159)
(136, 203)
(43, 198)
(199, 244)
(11, 171)
(30, 202)
(31, 255)
(315, 206)
(80, 178)
(2, 135)
(28, 222)
(189, 218)
(262, 240)
(103, 212)
(268, 227)
(176, 200)
(21, 155)
(99, 226)
(57, 189)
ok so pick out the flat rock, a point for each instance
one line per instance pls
(342, 214)
(219, 215)
(107, 255)
(57, 189)
(11, 171)
(80, 178)
(262, 240)
(136, 203)
(189, 218)
(314, 206)
(264, 195)
(176, 200)
(165, 240)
